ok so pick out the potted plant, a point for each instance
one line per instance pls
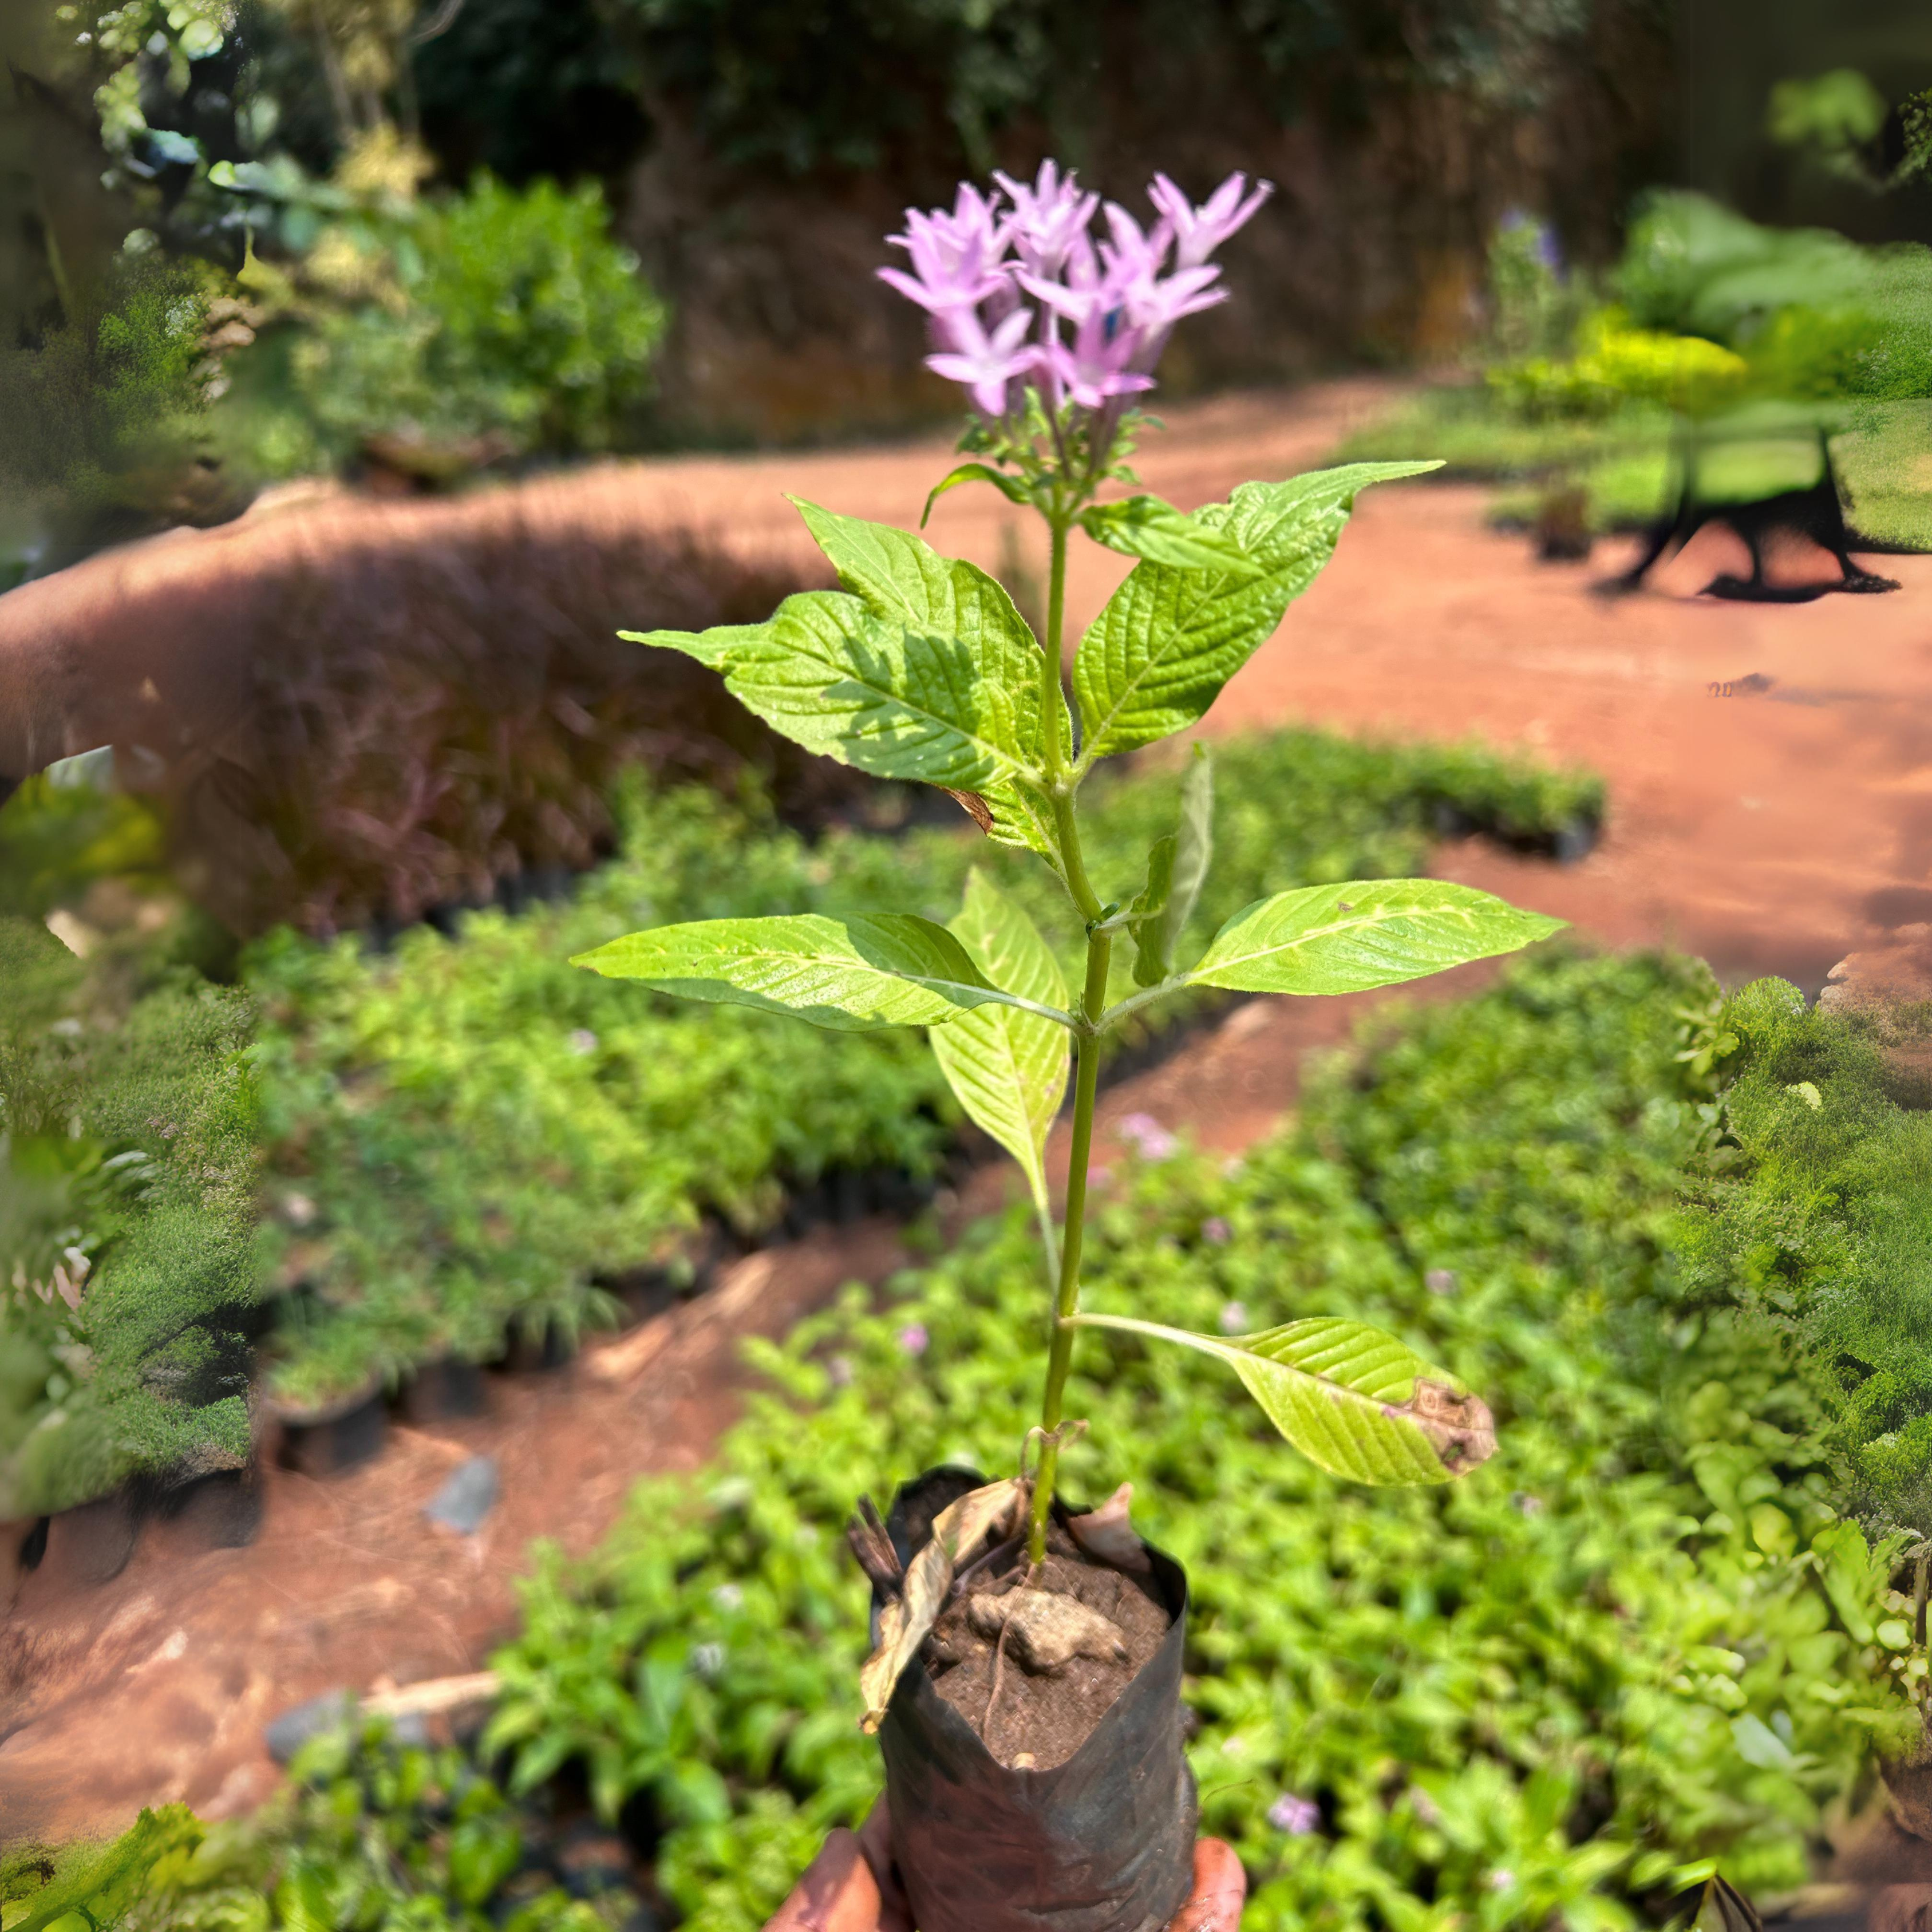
(1026, 1678)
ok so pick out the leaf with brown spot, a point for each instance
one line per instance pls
(1352, 1398)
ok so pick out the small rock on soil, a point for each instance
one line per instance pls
(467, 1497)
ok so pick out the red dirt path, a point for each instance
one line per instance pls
(1772, 833)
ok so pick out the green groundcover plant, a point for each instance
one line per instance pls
(1639, 1642)
(920, 668)
(364, 1835)
(1819, 1213)
(127, 1172)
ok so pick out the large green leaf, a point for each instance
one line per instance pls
(902, 578)
(922, 669)
(833, 675)
(1350, 1397)
(1374, 932)
(887, 969)
(1171, 637)
(1145, 527)
(1008, 1066)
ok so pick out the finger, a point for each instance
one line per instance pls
(1220, 1889)
(838, 1892)
(875, 1841)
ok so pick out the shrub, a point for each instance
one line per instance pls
(106, 410)
(427, 721)
(1615, 365)
(521, 327)
(1819, 1214)
(1636, 1642)
(127, 1151)
(366, 1834)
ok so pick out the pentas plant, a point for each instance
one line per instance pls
(921, 668)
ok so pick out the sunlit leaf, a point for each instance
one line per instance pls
(1352, 1398)
(887, 969)
(1374, 932)
(1145, 527)
(904, 579)
(1170, 637)
(829, 673)
(1007, 1066)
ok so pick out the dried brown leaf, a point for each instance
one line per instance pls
(978, 1516)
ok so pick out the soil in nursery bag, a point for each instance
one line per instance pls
(1071, 1806)
(1032, 1679)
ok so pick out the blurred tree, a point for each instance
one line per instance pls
(526, 88)
(1840, 123)
(850, 83)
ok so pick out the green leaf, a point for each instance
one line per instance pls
(902, 578)
(921, 669)
(830, 674)
(1170, 637)
(716, 648)
(1145, 527)
(1156, 937)
(1010, 487)
(1352, 1398)
(1758, 1745)
(1374, 932)
(1022, 814)
(483, 1853)
(1851, 1579)
(1008, 1066)
(1146, 920)
(887, 969)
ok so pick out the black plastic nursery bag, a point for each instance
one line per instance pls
(1103, 1843)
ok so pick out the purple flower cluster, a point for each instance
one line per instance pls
(1146, 1133)
(1297, 1817)
(1103, 309)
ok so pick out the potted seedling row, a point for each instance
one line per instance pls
(1025, 1678)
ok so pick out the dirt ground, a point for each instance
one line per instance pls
(1775, 829)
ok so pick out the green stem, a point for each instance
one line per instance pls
(1060, 1356)
(1084, 896)
(1056, 619)
(1094, 1003)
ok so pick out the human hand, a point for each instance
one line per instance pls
(849, 1887)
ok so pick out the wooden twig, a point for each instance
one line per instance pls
(436, 1694)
